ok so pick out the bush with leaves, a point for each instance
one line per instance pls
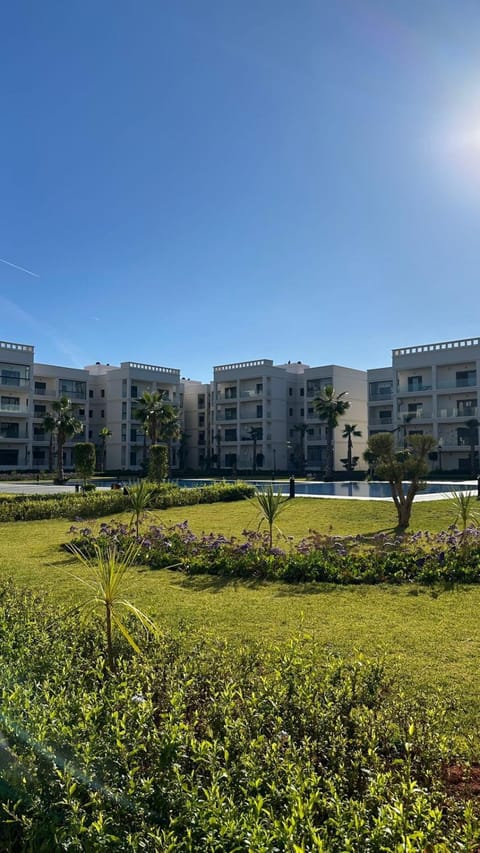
(199, 746)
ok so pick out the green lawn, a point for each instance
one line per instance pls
(431, 636)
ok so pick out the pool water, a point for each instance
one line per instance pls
(340, 489)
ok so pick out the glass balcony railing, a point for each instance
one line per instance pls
(471, 412)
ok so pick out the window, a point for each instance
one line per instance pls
(133, 458)
(201, 420)
(314, 386)
(302, 392)
(310, 431)
(10, 377)
(124, 432)
(230, 435)
(415, 409)
(133, 434)
(230, 460)
(90, 393)
(260, 411)
(38, 456)
(133, 391)
(385, 415)
(315, 454)
(90, 413)
(102, 413)
(40, 388)
(231, 392)
(81, 413)
(465, 377)
(73, 389)
(302, 413)
(90, 433)
(9, 430)
(377, 390)
(102, 392)
(38, 432)
(8, 457)
(414, 383)
(11, 404)
(124, 390)
(201, 401)
(466, 408)
(290, 392)
(201, 438)
(290, 412)
(259, 388)
(39, 409)
(231, 414)
(124, 411)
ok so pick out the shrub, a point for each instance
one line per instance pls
(201, 746)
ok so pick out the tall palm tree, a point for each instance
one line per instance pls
(302, 429)
(329, 407)
(350, 430)
(63, 423)
(104, 433)
(160, 420)
(472, 426)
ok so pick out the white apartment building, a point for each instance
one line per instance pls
(16, 406)
(263, 416)
(431, 388)
(114, 394)
(51, 382)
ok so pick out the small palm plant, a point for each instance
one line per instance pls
(140, 498)
(271, 504)
(464, 507)
(108, 570)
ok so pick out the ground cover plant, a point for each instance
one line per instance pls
(451, 556)
(202, 745)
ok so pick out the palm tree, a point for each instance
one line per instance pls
(472, 437)
(63, 424)
(254, 433)
(170, 431)
(159, 418)
(329, 407)
(104, 433)
(302, 429)
(350, 430)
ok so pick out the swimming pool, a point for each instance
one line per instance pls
(349, 489)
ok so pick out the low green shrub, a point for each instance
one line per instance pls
(199, 746)
(108, 502)
(449, 557)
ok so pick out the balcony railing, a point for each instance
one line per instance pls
(458, 413)
(420, 415)
(13, 381)
(414, 389)
(14, 410)
(251, 393)
(471, 382)
(380, 395)
(381, 422)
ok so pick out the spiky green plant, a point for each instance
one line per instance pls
(107, 571)
(140, 499)
(464, 508)
(271, 504)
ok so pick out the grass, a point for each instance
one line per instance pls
(431, 636)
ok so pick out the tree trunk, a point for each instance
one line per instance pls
(60, 471)
(329, 462)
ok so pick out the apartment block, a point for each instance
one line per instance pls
(114, 394)
(430, 388)
(16, 405)
(50, 383)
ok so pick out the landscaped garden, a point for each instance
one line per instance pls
(264, 714)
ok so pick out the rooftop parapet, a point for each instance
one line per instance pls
(17, 347)
(170, 371)
(259, 362)
(444, 345)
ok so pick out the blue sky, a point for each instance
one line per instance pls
(201, 182)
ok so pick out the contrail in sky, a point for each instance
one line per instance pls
(16, 267)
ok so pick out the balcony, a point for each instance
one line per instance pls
(465, 414)
(414, 389)
(13, 410)
(407, 417)
(470, 382)
(13, 381)
(381, 422)
(380, 396)
(252, 392)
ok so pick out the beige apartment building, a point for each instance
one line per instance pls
(430, 388)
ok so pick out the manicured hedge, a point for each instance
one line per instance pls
(97, 504)
(197, 746)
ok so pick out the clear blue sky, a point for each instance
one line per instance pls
(202, 182)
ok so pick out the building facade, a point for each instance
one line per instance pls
(431, 388)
